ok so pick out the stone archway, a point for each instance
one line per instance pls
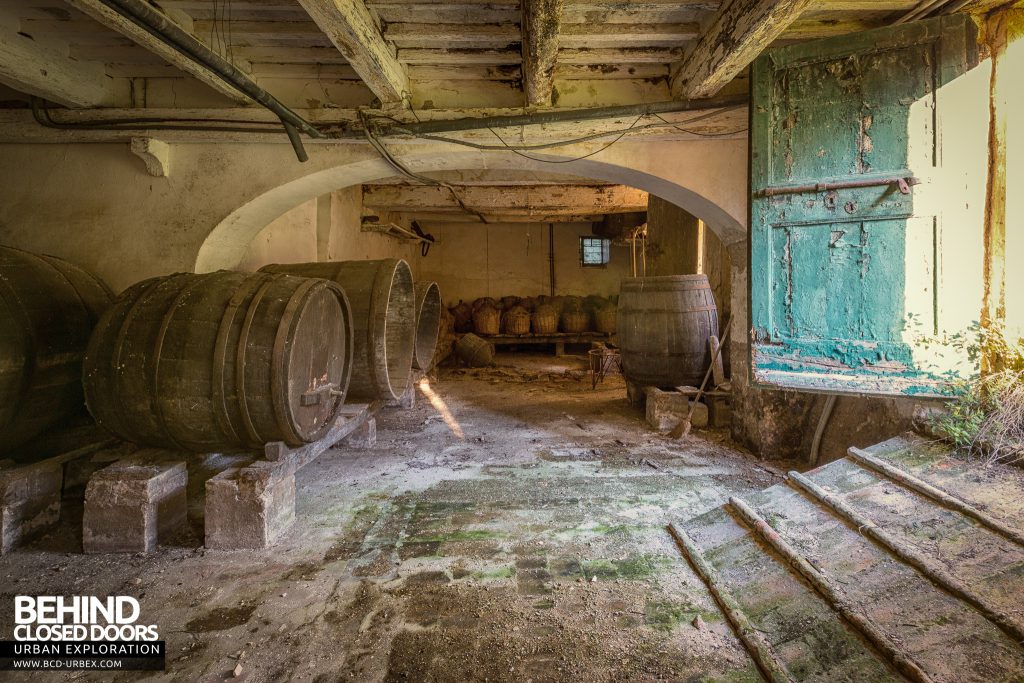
(717, 194)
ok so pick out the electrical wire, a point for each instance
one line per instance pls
(562, 143)
(565, 161)
(383, 151)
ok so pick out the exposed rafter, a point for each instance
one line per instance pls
(28, 65)
(140, 36)
(354, 32)
(541, 22)
(737, 34)
(503, 202)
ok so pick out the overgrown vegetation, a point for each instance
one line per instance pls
(985, 418)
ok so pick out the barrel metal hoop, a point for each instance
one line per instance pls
(119, 340)
(240, 376)
(219, 397)
(689, 309)
(378, 323)
(281, 366)
(349, 336)
(165, 322)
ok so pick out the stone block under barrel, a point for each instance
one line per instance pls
(49, 308)
(384, 318)
(221, 361)
(663, 327)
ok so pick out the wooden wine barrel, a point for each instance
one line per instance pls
(428, 324)
(48, 308)
(384, 315)
(663, 327)
(221, 361)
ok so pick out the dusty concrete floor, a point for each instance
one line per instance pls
(530, 549)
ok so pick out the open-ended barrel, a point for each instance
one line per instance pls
(663, 327)
(428, 324)
(221, 361)
(48, 308)
(384, 319)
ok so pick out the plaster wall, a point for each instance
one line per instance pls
(677, 246)
(291, 238)
(502, 259)
(95, 205)
(328, 228)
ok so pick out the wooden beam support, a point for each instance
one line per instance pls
(458, 57)
(738, 33)
(140, 36)
(661, 55)
(17, 125)
(353, 30)
(407, 35)
(33, 67)
(541, 26)
(508, 200)
(588, 36)
(436, 216)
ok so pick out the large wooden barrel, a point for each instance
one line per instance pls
(663, 327)
(428, 324)
(221, 361)
(48, 308)
(384, 319)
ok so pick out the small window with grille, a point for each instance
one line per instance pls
(594, 251)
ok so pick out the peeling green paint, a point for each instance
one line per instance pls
(830, 286)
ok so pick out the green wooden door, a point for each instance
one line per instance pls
(845, 259)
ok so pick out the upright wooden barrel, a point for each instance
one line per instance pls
(428, 324)
(663, 327)
(384, 319)
(48, 308)
(221, 361)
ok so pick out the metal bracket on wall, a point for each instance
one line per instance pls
(903, 183)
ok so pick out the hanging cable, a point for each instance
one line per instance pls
(401, 129)
(372, 139)
(565, 161)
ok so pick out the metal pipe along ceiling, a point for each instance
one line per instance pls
(184, 42)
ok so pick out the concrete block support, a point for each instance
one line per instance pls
(132, 505)
(365, 436)
(666, 408)
(250, 507)
(29, 501)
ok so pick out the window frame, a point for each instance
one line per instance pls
(606, 251)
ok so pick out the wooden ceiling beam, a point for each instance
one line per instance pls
(406, 35)
(434, 216)
(143, 38)
(541, 26)
(736, 35)
(508, 200)
(30, 67)
(352, 29)
(458, 57)
(640, 55)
